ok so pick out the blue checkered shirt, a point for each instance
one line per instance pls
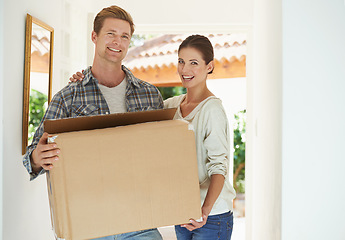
(85, 98)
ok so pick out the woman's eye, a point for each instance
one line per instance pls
(194, 63)
(180, 61)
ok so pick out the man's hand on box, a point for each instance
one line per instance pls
(44, 155)
(78, 76)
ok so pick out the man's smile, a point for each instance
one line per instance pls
(114, 50)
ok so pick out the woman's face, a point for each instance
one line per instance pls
(192, 68)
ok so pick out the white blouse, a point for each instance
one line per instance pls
(212, 145)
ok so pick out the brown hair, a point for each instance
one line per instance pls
(112, 12)
(200, 43)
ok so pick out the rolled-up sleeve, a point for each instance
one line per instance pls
(56, 109)
(217, 141)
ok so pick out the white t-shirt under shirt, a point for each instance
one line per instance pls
(212, 140)
(115, 96)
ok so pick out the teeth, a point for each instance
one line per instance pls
(114, 50)
(187, 77)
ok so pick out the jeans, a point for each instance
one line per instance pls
(150, 234)
(217, 227)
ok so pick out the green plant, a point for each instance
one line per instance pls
(168, 92)
(239, 151)
(139, 39)
(37, 106)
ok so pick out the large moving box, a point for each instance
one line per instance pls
(122, 172)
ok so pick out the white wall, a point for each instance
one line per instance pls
(181, 12)
(313, 120)
(263, 148)
(25, 205)
(1, 111)
(25, 209)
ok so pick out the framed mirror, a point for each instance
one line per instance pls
(39, 40)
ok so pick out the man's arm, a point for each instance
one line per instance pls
(40, 155)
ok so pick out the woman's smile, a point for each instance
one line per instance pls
(187, 77)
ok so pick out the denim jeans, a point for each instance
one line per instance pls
(150, 234)
(217, 227)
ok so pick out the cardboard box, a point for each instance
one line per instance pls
(120, 173)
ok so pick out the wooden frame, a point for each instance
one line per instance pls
(39, 63)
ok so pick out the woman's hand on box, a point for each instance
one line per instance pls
(195, 224)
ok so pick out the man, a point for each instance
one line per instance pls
(108, 87)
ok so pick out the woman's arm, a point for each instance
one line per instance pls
(215, 188)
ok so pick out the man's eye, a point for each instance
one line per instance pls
(125, 37)
(180, 61)
(194, 63)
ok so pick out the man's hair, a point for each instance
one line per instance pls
(112, 12)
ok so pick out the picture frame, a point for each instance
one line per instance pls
(38, 66)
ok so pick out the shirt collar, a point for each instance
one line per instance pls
(130, 77)
(88, 76)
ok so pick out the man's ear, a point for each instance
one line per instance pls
(94, 37)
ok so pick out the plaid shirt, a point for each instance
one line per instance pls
(85, 98)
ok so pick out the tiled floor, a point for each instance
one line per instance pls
(168, 233)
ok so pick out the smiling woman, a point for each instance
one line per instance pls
(206, 114)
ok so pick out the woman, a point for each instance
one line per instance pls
(205, 112)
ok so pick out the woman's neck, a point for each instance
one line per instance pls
(197, 95)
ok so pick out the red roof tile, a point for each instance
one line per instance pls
(162, 51)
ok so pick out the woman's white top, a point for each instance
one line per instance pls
(212, 140)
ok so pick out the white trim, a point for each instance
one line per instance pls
(183, 28)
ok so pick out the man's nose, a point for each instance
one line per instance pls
(116, 39)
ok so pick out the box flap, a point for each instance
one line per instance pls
(54, 126)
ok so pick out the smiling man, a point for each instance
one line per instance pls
(107, 87)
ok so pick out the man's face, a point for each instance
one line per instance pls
(112, 41)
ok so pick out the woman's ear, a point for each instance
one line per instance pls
(210, 67)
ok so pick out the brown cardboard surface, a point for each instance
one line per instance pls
(125, 178)
(106, 121)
